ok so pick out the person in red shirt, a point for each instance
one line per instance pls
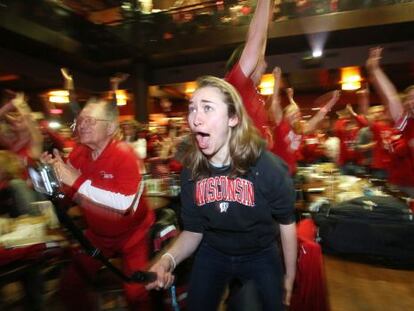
(401, 109)
(102, 176)
(347, 128)
(247, 65)
(20, 133)
(379, 127)
(288, 126)
(382, 132)
(312, 147)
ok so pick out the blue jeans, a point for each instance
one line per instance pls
(212, 271)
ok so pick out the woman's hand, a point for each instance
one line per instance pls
(163, 268)
(374, 58)
(67, 78)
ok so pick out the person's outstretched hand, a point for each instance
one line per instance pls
(330, 98)
(118, 78)
(165, 278)
(289, 92)
(21, 105)
(277, 73)
(68, 78)
(350, 109)
(374, 58)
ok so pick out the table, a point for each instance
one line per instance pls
(26, 264)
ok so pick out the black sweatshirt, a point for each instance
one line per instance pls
(236, 215)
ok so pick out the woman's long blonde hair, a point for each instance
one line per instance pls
(245, 143)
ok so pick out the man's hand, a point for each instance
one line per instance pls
(68, 79)
(277, 73)
(329, 97)
(350, 109)
(334, 99)
(20, 104)
(289, 92)
(117, 79)
(374, 58)
(65, 172)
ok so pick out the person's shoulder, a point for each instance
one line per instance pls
(268, 162)
(282, 126)
(122, 147)
(236, 76)
(185, 175)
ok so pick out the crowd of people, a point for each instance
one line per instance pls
(237, 157)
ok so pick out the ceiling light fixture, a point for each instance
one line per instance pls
(350, 78)
(266, 84)
(59, 96)
(121, 97)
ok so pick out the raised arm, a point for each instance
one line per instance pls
(290, 93)
(36, 138)
(115, 81)
(68, 84)
(382, 84)
(275, 110)
(255, 46)
(359, 118)
(331, 98)
(8, 105)
(363, 101)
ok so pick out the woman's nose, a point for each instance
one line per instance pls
(197, 118)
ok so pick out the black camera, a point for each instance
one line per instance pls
(44, 179)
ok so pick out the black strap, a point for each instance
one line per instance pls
(91, 250)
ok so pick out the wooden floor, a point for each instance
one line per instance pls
(361, 287)
(351, 287)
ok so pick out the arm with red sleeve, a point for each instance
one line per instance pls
(240, 76)
(383, 85)
(119, 191)
(253, 101)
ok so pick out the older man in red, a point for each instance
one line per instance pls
(102, 175)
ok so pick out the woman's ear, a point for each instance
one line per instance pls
(233, 121)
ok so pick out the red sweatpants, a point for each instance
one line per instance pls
(76, 279)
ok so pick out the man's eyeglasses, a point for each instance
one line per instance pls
(88, 121)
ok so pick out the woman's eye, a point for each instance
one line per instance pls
(191, 109)
(207, 108)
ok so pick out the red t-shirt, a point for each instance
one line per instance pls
(254, 102)
(381, 135)
(286, 144)
(311, 148)
(347, 152)
(109, 192)
(401, 168)
(406, 126)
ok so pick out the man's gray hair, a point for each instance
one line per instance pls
(110, 109)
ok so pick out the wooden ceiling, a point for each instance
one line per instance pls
(38, 37)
